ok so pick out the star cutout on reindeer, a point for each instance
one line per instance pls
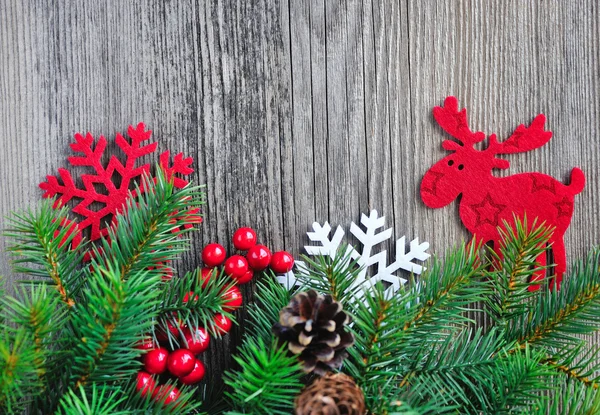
(487, 211)
(565, 207)
(488, 200)
(539, 184)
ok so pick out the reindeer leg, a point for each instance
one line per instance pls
(560, 259)
(541, 274)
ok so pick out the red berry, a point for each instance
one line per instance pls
(145, 383)
(236, 266)
(166, 394)
(161, 333)
(233, 299)
(195, 375)
(213, 255)
(206, 274)
(282, 262)
(197, 341)
(181, 362)
(259, 257)
(189, 295)
(223, 323)
(244, 239)
(155, 361)
(146, 343)
(247, 277)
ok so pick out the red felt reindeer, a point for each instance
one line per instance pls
(488, 200)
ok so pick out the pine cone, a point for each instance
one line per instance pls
(334, 394)
(313, 326)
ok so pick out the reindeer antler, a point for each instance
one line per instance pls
(523, 139)
(454, 122)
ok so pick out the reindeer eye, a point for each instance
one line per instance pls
(450, 162)
(460, 167)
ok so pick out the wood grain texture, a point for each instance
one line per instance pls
(301, 110)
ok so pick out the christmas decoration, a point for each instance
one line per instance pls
(236, 266)
(370, 238)
(488, 200)
(259, 257)
(223, 323)
(181, 362)
(244, 239)
(195, 376)
(282, 262)
(313, 326)
(155, 360)
(94, 327)
(196, 341)
(101, 187)
(418, 352)
(145, 383)
(213, 255)
(333, 394)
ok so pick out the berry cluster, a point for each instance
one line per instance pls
(183, 363)
(240, 268)
(180, 363)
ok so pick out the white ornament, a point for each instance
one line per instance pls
(369, 238)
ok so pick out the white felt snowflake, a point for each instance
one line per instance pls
(369, 239)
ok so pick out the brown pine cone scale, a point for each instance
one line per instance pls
(334, 394)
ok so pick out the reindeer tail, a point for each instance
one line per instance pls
(577, 181)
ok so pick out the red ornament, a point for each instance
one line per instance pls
(206, 274)
(197, 341)
(233, 297)
(145, 383)
(181, 362)
(166, 394)
(258, 257)
(488, 200)
(99, 187)
(236, 266)
(213, 255)
(189, 295)
(155, 361)
(282, 262)
(246, 278)
(223, 323)
(146, 343)
(244, 239)
(162, 335)
(195, 375)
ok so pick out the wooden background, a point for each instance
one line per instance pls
(300, 110)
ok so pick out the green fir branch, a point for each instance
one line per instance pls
(96, 400)
(270, 298)
(19, 376)
(513, 265)
(463, 366)
(519, 382)
(267, 380)
(37, 312)
(335, 276)
(153, 229)
(187, 402)
(113, 316)
(204, 300)
(571, 398)
(558, 316)
(42, 248)
(444, 293)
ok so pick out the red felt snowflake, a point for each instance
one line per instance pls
(106, 191)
